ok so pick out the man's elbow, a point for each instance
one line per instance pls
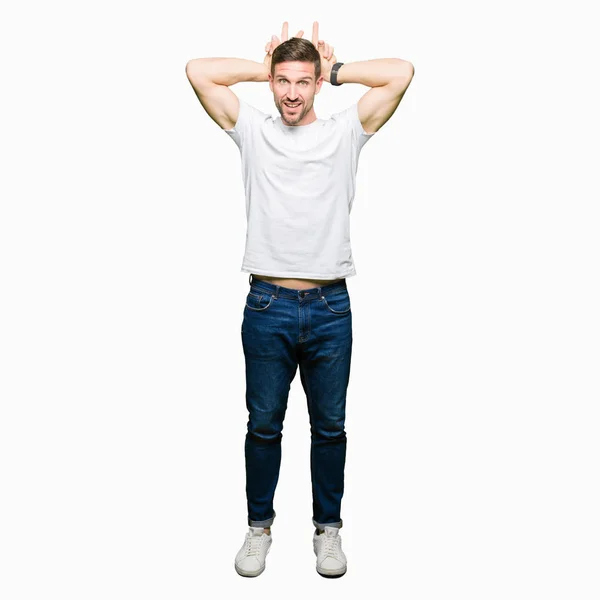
(192, 67)
(406, 69)
(403, 75)
(197, 71)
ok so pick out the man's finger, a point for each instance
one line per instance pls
(300, 33)
(315, 33)
(284, 32)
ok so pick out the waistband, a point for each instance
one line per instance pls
(280, 291)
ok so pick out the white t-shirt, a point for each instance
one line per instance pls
(300, 185)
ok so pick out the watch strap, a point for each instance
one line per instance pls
(334, 72)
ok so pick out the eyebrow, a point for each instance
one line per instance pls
(301, 78)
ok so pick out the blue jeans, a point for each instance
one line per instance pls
(282, 329)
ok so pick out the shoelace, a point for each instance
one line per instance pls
(331, 546)
(253, 544)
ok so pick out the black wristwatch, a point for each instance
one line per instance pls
(334, 72)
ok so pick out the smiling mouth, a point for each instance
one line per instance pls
(293, 106)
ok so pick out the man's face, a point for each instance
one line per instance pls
(294, 83)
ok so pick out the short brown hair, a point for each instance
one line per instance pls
(297, 49)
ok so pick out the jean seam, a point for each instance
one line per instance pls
(335, 312)
(264, 307)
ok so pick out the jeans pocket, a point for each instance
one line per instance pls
(259, 302)
(338, 303)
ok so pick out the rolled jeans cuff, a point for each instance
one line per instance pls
(266, 523)
(321, 526)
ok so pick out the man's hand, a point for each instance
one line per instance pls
(328, 58)
(275, 41)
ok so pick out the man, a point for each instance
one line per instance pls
(299, 177)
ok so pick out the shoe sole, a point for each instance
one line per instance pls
(331, 574)
(248, 573)
(253, 573)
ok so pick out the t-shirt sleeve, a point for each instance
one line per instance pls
(247, 118)
(350, 117)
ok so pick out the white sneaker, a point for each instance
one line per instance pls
(331, 560)
(250, 560)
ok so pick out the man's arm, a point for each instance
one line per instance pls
(210, 78)
(389, 78)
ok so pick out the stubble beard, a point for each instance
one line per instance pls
(294, 120)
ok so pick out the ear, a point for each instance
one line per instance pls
(319, 84)
(270, 81)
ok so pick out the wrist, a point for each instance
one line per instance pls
(264, 75)
(334, 73)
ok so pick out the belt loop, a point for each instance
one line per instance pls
(250, 279)
(320, 292)
(277, 291)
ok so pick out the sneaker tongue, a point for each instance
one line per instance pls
(331, 531)
(258, 531)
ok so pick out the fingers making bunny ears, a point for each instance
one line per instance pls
(275, 41)
(325, 50)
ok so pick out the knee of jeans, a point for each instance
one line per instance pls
(266, 429)
(330, 430)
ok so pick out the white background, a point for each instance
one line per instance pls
(472, 417)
